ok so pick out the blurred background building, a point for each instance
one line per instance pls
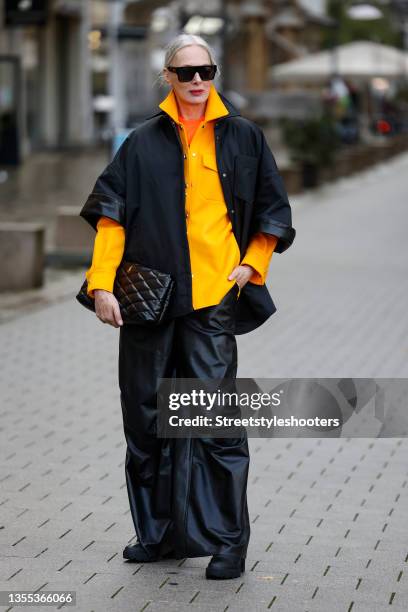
(74, 72)
(325, 79)
(45, 88)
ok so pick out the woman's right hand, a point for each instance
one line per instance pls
(107, 308)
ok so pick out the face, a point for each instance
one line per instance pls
(197, 90)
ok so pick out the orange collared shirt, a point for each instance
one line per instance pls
(214, 251)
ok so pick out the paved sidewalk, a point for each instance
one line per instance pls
(46, 181)
(328, 516)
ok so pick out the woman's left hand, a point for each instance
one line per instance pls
(241, 274)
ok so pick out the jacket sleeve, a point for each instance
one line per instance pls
(272, 212)
(108, 195)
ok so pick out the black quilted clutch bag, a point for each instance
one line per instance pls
(143, 294)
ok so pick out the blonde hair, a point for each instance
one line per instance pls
(177, 43)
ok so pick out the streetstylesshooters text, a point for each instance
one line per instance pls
(208, 400)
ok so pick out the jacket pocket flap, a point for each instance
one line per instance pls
(246, 161)
(245, 176)
(210, 161)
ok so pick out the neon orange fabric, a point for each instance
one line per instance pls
(191, 125)
(107, 254)
(214, 251)
(261, 246)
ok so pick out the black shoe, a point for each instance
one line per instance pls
(225, 566)
(135, 552)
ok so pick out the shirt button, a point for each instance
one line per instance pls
(232, 210)
(192, 276)
(185, 156)
(223, 174)
(194, 154)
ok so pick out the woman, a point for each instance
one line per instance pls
(193, 191)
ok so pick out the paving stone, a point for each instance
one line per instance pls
(327, 514)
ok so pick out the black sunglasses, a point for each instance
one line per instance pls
(186, 73)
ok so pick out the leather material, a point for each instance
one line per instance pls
(143, 294)
(185, 494)
(225, 566)
(137, 553)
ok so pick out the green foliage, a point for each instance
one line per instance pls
(314, 140)
(402, 95)
(348, 29)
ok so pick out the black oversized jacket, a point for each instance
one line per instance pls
(143, 189)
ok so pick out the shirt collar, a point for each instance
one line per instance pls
(215, 108)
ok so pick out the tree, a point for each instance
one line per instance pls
(348, 29)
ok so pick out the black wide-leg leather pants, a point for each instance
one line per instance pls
(187, 495)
